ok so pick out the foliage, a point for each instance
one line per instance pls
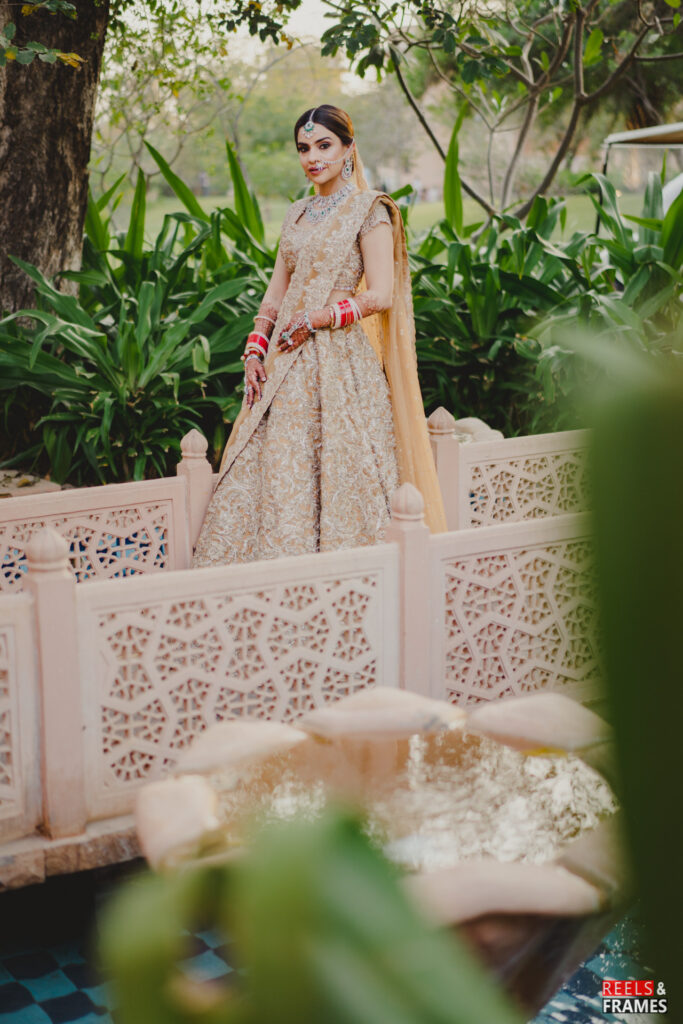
(323, 927)
(26, 54)
(638, 496)
(632, 292)
(177, 88)
(254, 104)
(150, 348)
(492, 308)
(508, 62)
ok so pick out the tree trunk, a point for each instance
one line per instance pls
(46, 119)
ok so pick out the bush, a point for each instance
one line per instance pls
(149, 348)
(494, 309)
(112, 379)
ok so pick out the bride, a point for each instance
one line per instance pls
(332, 419)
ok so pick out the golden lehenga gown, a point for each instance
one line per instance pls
(313, 464)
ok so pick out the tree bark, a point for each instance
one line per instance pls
(46, 120)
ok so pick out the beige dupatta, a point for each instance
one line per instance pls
(391, 334)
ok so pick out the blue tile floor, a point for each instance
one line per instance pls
(47, 976)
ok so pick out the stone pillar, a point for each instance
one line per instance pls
(409, 530)
(51, 583)
(446, 452)
(196, 469)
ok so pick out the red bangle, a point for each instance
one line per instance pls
(347, 316)
(257, 341)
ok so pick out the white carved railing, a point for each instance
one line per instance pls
(102, 685)
(20, 791)
(513, 611)
(166, 657)
(138, 528)
(486, 479)
(124, 529)
(130, 671)
(115, 530)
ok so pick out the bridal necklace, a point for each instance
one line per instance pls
(320, 207)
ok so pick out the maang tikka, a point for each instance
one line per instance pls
(310, 125)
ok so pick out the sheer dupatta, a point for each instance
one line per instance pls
(391, 334)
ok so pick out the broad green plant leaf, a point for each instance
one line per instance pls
(592, 50)
(452, 193)
(246, 206)
(136, 228)
(672, 233)
(183, 191)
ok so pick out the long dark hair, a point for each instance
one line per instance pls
(332, 118)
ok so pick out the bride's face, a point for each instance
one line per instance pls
(318, 150)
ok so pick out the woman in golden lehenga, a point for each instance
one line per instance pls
(332, 420)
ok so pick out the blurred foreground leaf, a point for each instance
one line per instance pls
(637, 470)
(323, 926)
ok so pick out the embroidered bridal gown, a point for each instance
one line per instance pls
(312, 466)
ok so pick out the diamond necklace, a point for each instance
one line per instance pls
(321, 206)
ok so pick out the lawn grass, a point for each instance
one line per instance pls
(580, 213)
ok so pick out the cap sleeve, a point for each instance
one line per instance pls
(378, 215)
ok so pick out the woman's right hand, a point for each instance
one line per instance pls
(254, 379)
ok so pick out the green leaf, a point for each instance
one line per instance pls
(184, 194)
(452, 187)
(25, 57)
(135, 235)
(672, 233)
(645, 222)
(143, 326)
(95, 227)
(591, 53)
(640, 564)
(106, 196)
(201, 355)
(246, 207)
(607, 208)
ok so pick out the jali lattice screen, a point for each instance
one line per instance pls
(105, 539)
(160, 671)
(518, 485)
(517, 618)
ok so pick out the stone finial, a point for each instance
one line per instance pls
(194, 445)
(46, 551)
(441, 422)
(407, 503)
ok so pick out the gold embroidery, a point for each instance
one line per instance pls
(313, 465)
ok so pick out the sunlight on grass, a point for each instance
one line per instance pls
(580, 213)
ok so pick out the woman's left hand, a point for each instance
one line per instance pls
(295, 334)
(299, 331)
